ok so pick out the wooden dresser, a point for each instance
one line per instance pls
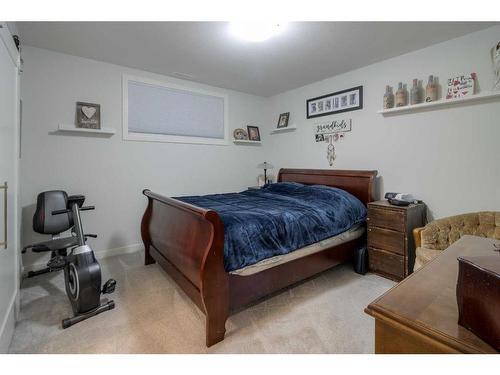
(391, 250)
(420, 314)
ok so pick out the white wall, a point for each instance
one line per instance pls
(111, 172)
(448, 157)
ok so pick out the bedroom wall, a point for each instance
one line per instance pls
(111, 172)
(448, 157)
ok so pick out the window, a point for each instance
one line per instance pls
(162, 112)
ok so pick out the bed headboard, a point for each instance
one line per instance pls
(358, 183)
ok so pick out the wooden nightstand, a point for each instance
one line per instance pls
(391, 250)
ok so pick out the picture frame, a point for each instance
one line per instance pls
(253, 133)
(88, 115)
(336, 102)
(283, 120)
(461, 86)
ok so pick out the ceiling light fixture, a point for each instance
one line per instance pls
(256, 31)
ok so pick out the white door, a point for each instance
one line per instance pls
(9, 104)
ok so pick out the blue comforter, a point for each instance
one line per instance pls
(279, 219)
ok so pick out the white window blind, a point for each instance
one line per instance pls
(160, 112)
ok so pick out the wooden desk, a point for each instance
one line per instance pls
(420, 314)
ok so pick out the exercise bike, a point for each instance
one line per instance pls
(56, 213)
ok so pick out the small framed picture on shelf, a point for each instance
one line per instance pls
(88, 115)
(253, 133)
(283, 120)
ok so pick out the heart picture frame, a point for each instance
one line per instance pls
(88, 115)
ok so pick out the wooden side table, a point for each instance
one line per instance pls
(420, 314)
(391, 250)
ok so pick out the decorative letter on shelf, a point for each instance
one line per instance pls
(332, 132)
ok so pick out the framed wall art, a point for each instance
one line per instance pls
(461, 86)
(253, 133)
(283, 120)
(88, 115)
(336, 102)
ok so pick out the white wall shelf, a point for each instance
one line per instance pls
(284, 130)
(246, 142)
(442, 103)
(74, 129)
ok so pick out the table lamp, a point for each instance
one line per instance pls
(265, 166)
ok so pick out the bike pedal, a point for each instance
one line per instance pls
(109, 286)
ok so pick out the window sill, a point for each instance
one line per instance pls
(143, 137)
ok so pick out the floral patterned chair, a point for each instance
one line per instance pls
(441, 233)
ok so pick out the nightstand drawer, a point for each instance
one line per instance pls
(384, 218)
(386, 239)
(386, 262)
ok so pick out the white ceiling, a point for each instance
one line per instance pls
(306, 52)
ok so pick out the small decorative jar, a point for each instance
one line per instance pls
(401, 96)
(431, 90)
(415, 96)
(388, 98)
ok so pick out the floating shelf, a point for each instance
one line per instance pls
(441, 103)
(246, 142)
(284, 130)
(74, 129)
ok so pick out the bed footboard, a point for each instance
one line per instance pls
(188, 242)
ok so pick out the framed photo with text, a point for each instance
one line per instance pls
(337, 102)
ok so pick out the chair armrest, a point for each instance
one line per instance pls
(417, 236)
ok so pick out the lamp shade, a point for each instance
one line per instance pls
(265, 165)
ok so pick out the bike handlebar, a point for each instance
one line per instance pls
(68, 210)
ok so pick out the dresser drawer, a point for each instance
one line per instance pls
(386, 239)
(384, 218)
(386, 262)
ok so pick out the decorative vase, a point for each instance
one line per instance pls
(495, 59)
(401, 96)
(431, 90)
(388, 98)
(415, 97)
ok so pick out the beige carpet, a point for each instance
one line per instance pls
(152, 315)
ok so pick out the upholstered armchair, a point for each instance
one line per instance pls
(439, 234)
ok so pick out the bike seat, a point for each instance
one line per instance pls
(54, 245)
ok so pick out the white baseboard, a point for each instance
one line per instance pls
(98, 254)
(8, 325)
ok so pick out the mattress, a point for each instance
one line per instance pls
(279, 219)
(349, 235)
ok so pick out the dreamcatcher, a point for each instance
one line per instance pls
(331, 133)
(330, 150)
(330, 153)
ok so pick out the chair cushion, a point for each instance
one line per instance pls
(441, 233)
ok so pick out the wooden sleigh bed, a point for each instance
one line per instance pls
(188, 242)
